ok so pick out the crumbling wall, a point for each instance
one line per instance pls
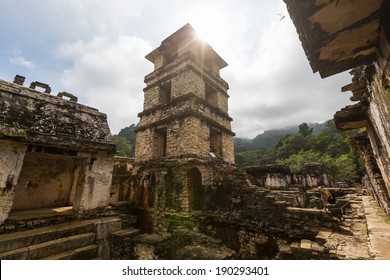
(69, 145)
(97, 178)
(122, 171)
(11, 162)
(373, 179)
(379, 132)
(369, 87)
(36, 117)
(335, 40)
(280, 176)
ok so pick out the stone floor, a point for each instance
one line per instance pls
(378, 226)
(364, 234)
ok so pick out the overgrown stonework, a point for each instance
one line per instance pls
(54, 152)
(194, 202)
(181, 197)
(342, 35)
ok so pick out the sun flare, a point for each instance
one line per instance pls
(211, 27)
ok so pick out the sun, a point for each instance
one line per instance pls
(211, 27)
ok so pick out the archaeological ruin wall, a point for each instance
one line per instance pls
(185, 103)
(343, 35)
(184, 128)
(54, 151)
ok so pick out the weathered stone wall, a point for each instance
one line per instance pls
(379, 116)
(186, 82)
(69, 145)
(335, 40)
(97, 178)
(144, 146)
(228, 147)
(369, 88)
(188, 136)
(11, 162)
(373, 180)
(53, 184)
(35, 117)
(123, 168)
(186, 102)
(279, 176)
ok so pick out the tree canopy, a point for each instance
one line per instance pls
(328, 146)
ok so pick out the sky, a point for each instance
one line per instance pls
(95, 49)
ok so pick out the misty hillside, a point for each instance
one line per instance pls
(269, 138)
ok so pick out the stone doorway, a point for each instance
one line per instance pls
(195, 188)
(48, 181)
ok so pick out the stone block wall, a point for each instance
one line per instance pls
(54, 152)
(279, 176)
(188, 136)
(52, 185)
(379, 116)
(185, 103)
(186, 82)
(187, 125)
(11, 163)
(373, 180)
(95, 192)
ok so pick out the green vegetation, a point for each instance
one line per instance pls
(125, 141)
(19, 134)
(324, 144)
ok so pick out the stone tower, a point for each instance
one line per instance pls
(184, 136)
(186, 103)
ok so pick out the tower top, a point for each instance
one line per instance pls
(183, 40)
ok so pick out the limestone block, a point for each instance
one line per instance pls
(104, 228)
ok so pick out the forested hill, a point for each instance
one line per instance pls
(293, 146)
(269, 138)
(321, 143)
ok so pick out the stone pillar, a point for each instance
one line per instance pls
(95, 191)
(11, 163)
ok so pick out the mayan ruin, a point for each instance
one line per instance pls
(65, 195)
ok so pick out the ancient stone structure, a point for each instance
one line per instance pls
(274, 176)
(186, 103)
(184, 128)
(355, 34)
(53, 152)
(181, 197)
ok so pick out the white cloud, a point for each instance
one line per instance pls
(18, 59)
(273, 86)
(271, 83)
(108, 75)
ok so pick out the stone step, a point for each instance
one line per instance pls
(128, 220)
(281, 203)
(52, 247)
(126, 233)
(270, 197)
(122, 243)
(17, 240)
(12, 241)
(29, 219)
(89, 252)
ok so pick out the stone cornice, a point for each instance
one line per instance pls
(186, 97)
(207, 75)
(187, 112)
